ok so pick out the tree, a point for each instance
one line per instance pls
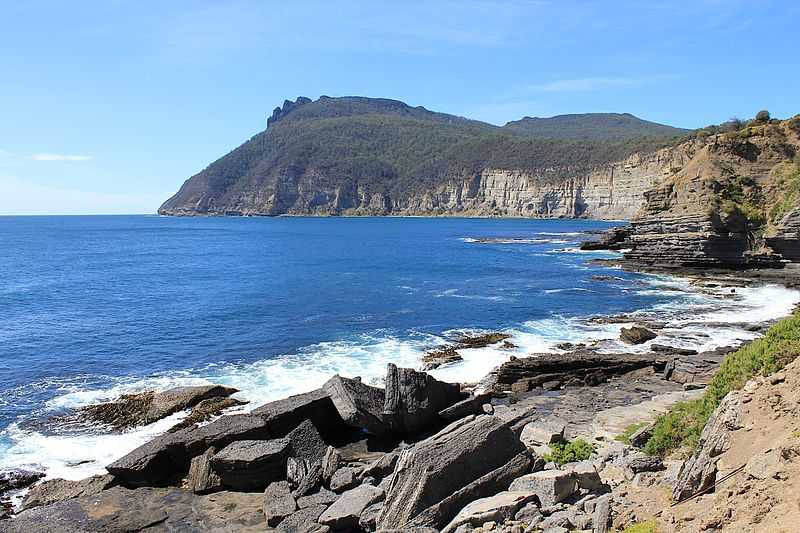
(762, 116)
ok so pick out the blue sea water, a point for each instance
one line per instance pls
(91, 307)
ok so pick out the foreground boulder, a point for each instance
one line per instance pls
(147, 407)
(167, 457)
(251, 464)
(636, 335)
(202, 479)
(498, 508)
(344, 514)
(549, 486)
(414, 399)
(438, 467)
(358, 404)
(700, 470)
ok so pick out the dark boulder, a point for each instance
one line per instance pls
(441, 465)
(252, 464)
(166, 457)
(303, 520)
(414, 399)
(636, 335)
(315, 406)
(278, 502)
(358, 404)
(205, 411)
(202, 479)
(148, 407)
(473, 405)
(345, 512)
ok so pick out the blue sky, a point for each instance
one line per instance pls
(107, 107)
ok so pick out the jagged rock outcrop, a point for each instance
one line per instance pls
(716, 208)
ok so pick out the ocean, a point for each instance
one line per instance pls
(93, 307)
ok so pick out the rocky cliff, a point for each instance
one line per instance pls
(361, 156)
(733, 204)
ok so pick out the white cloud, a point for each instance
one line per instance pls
(60, 157)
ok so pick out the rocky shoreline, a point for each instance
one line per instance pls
(419, 454)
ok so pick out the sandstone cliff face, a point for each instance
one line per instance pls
(714, 210)
(613, 191)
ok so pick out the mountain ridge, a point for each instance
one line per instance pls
(358, 155)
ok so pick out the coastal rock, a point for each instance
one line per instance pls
(18, 479)
(602, 514)
(252, 464)
(330, 463)
(381, 467)
(148, 407)
(167, 456)
(150, 509)
(344, 514)
(700, 470)
(368, 521)
(543, 432)
(345, 478)
(640, 437)
(206, 410)
(497, 508)
(636, 335)
(315, 406)
(444, 463)
(202, 479)
(414, 399)
(495, 481)
(473, 405)
(303, 520)
(586, 475)
(278, 502)
(321, 497)
(672, 349)
(643, 463)
(550, 486)
(56, 490)
(359, 405)
(582, 367)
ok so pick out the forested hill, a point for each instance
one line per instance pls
(359, 155)
(591, 126)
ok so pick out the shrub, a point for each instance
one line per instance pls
(625, 436)
(569, 452)
(682, 425)
(648, 526)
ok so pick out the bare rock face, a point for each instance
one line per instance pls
(286, 414)
(700, 470)
(497, 508)
(437, 467)
(358, 404)
(636, 335)
(148, 407)
(578, 367)
(345, 512)
(278, 502)
(414, 399)
(251, 464)
(144, 509)
(550, 486)
(56, 490)
(202, 479)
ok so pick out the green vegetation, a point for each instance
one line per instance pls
(682, 425)
(787, 181)
(625, 436)
(648, 526)
(387, 147)
(569, 452)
